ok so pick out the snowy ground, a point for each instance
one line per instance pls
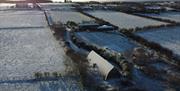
(57, 6)
(123, 20)
(4, 6)
(25, 51)
(64, 16)
(16, 19)
(174, 16)
(167, 37)
(27, 46)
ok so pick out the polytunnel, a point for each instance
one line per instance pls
(105, 68)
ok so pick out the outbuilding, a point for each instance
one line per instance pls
(105, 68)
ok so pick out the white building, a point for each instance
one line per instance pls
(105, 68)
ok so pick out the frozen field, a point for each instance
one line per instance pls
(112, 41)
(57, 6)
(15, 19)
(174, 16)
(123, 20)
(27, 46)
(26, 51)
(65, 16)
(167, 37)
(4, 6)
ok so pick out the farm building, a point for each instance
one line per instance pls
(106, 69)
(87, 26)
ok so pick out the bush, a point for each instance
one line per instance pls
(71, 24)
(55, 74)
(38, 75)
(46, 74)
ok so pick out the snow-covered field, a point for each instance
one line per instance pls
(14, 19)
(27, 46)
(4, 6)
(174, 16)
(64, 16)
(123, 20)
(167, 37)
(57, 6)
(113, 41)
(64, 12)
(25, 51)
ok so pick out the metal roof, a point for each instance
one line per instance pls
(103, 65)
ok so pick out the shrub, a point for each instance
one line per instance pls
(38, 75)
(46, 74)
(55, 74)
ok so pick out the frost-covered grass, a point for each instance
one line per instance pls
(166, 37)
(57, 6)
(11, 19)
(174, 16)
(26, 51)
(27, 47)
(64, 16)
(111, 41)
(4, 6)
(123, 20)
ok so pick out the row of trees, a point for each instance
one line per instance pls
(157, 47)
(146, 28)
(154, 18)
